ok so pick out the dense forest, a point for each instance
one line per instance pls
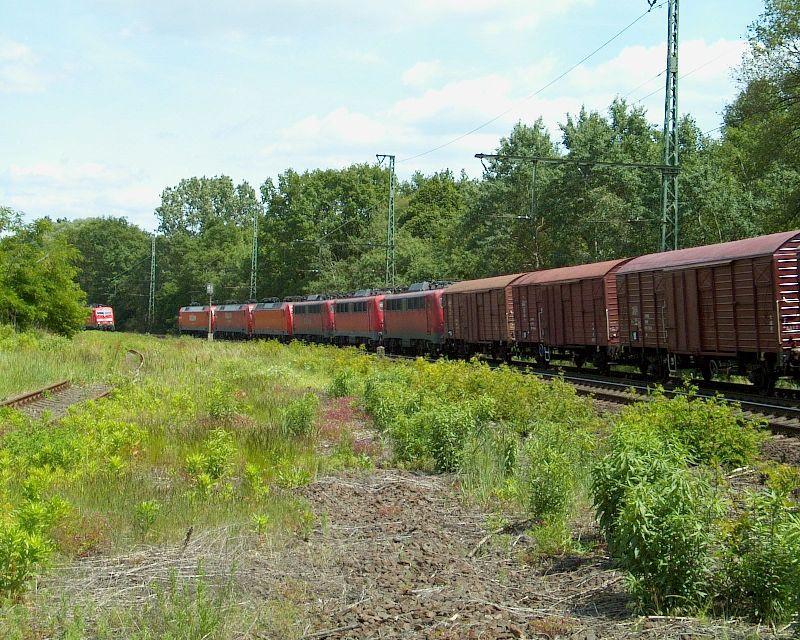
(325, 230)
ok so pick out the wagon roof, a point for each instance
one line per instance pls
(749, 248)
(563, 274)
(484, 284)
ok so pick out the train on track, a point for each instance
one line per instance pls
(100, 317)
(732, 307)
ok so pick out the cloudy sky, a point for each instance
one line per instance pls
(103, 103)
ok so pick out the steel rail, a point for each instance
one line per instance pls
(33, 396)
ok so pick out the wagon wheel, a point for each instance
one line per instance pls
(579, 359)
(707, 369)
(764, 378)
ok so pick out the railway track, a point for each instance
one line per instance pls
(781, 415)
(55, 399)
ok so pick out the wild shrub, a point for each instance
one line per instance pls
(637, 455)
(386, 399)
(254, 481)
(220, 401)
(552, 466)
(488, 462)
(21, 554)
(40, 516)
(345, 383)
(664, 538)
(438, 431)
(300, 414)
(761, 560)
(214, 461)
(711, 430)
(145, 515)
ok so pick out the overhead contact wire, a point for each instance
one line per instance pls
(541, 89)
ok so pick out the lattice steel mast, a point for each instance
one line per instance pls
(391, 271)
(254, 256)
(151, 303)
(669, 182)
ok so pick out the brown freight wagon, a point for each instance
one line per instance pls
(479, 316)
(735, 303)
(571, 311)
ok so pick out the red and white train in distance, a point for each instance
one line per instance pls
(100, 317)
(732, 307)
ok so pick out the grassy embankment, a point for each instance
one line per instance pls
(214, 438)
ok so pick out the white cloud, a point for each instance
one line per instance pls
(79, 189)
(438, 115)
(19, 68)
(422, 73)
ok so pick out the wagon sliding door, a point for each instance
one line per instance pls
(682, 311)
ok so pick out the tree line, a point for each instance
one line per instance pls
(324, 230)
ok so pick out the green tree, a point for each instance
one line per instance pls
(206, 232)
(114, 265)
(37, 278)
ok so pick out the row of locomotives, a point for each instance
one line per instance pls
(479, 317)
(358, 319)
(100, 317)
(413, 320)
(196, 320)
(569, 313)
(273, 318)
(732, 308)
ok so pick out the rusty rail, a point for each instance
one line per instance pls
(33, 396)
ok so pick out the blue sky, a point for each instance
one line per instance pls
(103, 103)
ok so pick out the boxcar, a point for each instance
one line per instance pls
(314, 319)
(273, 318)
(479, 316)
(570, 311)
(730, 304)
(358, 320)
(234, 321)
(414, 320)
(193, 320)
(100, 317)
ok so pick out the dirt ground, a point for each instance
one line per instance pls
(399, 556)
(395, 554)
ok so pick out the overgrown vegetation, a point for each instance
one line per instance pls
(669, 515)
(200, 442)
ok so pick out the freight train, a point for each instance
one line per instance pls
(731, 307)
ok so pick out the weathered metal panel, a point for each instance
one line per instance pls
(568, 307)
(480, 311)
(787, 284)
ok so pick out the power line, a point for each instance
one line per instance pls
(646, 82)
(685, 75)
(541, 89)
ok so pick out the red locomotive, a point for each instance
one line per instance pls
(314, 319)
(100, 317)
(193, 320)
(234, 321)
(359, 320)
(273, 318)
(414, 321)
